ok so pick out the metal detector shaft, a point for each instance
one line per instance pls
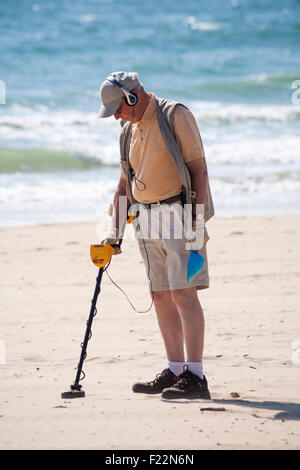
(89, 326)
(90, 321)
(75, 389)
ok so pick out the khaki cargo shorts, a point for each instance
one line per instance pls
(166, 258)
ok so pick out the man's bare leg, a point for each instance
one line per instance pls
(171, 329)
(191, 314)
(170, 325)
(193, 383)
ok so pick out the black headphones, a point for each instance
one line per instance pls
(131, 98)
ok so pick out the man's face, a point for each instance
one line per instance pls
(125, 112)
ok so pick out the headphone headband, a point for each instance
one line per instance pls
(131, 98)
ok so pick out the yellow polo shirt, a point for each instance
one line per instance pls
(156, 177)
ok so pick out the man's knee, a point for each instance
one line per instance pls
(162, 296)
(184, 296)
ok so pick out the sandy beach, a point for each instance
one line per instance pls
(252, 319)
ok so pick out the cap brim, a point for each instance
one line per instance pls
(109, 109)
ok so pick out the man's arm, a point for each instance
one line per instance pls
(199, 179)
(113, 234)
(120, 191)
(190, 143)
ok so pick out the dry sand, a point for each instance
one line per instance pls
(252, 319)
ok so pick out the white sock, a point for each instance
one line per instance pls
(176, 367)
(195, 367)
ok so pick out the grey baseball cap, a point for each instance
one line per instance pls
(111, 94)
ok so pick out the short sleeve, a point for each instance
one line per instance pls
(187, 134)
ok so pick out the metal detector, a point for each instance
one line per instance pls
(100, 256)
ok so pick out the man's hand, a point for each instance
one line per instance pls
(112, 241)
(198, 238)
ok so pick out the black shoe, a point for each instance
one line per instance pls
(188, 385)
(163, 380)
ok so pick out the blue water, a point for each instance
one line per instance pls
(232, 62)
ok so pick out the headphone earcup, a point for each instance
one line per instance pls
(131, 99)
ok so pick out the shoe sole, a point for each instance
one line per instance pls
(147, 392)
(172, 394)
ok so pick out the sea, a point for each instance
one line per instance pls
(234, 63)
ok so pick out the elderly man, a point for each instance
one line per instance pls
(163, 164)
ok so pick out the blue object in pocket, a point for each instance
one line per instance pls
(194, 265)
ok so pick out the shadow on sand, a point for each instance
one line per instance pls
(287, 411)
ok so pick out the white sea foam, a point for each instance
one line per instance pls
(73, 131)
(252, 152)
(218, 112)
(73, 196)
(231, 133)
(245, 151)
(90, 18)
(45, 197)
(191, 22)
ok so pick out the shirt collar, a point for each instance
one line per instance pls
(148, 113)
